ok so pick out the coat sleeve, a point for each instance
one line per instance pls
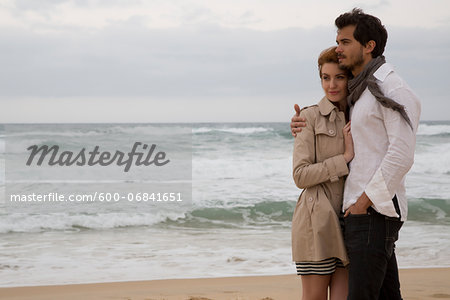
(306, 171)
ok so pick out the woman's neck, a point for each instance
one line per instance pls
(341, 105)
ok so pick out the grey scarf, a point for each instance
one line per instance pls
(357, 85)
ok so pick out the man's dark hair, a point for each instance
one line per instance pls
(367, 28)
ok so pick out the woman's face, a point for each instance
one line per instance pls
(334, 82)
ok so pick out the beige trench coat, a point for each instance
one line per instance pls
(319, 168)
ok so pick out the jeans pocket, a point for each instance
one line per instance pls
(389, 244)
(392, 229)
(357, 222)
(357, 232)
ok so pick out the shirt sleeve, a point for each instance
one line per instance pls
(306, 171)
(400, 153)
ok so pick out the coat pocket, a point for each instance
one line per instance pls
(310, 198)
(329, 130)
(328, 142)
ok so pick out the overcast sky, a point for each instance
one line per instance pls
(198, 60)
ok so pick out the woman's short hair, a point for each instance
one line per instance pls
(328, 55)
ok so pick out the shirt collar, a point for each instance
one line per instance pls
(383, 71)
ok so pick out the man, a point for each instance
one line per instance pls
(385, 116)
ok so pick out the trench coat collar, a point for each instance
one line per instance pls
(327, 108)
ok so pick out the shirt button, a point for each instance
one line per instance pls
(310, 199)
(331, 131)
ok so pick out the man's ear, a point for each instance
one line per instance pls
(370, 46)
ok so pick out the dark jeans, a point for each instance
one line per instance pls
(370, 241)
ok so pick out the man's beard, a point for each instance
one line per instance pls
(359, 61)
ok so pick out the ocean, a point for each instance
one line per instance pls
(234, 217)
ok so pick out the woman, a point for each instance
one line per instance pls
(322, 151)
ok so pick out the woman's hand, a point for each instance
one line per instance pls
(349, 153)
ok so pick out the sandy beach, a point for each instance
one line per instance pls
(433, 283)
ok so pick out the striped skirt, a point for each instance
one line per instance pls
(323, 267)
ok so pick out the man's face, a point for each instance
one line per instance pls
(349, 50)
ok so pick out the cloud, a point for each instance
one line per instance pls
(250, 14)
(46, 5)
(373, 5)
(200, 62)
(131, 60)
(41, 5)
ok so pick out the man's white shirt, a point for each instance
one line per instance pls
(384, 145)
